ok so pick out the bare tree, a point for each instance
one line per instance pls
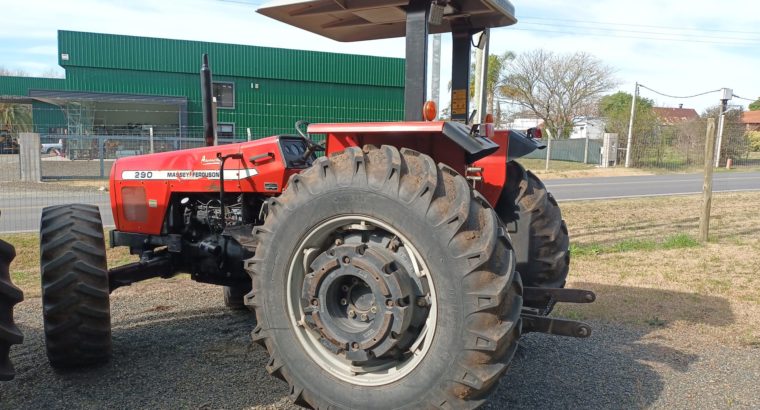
(558, 88)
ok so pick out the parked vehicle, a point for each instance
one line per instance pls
(53, 147)
(380, 273)
(8, 143)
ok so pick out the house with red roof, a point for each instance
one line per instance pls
(751, 120)
(672, 116)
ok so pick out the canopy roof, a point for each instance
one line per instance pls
(357, 20)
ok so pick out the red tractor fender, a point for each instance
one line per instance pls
(450, 143)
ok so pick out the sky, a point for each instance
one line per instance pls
(677, 47)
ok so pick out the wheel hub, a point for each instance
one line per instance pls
(360, 300)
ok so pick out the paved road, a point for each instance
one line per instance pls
(21, 210)
(576, 189)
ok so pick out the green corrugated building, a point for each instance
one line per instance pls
(119, 85)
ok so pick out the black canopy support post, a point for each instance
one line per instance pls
(460, 73)
(415, 81)
(206, 97)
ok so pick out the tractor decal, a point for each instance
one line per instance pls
(186, 174)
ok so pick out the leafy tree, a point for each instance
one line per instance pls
(557, 88)
(755, 106)
(735, 143)
(616, 110)
(15, 118)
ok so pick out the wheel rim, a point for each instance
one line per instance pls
(361, 300)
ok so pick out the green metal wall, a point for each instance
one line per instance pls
(180, 56)
(271, 108)
(292, 84)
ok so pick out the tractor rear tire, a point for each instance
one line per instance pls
(75, 290)
(9, 296)
(382, 204)
(234, 296)
(543, 249)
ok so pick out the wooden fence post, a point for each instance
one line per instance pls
(704, 219)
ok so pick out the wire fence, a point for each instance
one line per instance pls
(668, 148)
(75, 167)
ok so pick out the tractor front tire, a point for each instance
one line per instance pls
(541, 240)
(382, 280)
(9, 296)
(75, 291)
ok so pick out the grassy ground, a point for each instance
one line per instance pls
(569, 169)
(639, 255)
(25, 268)
(642, 259)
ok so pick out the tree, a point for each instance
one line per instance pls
(735, 142)
(15, 118)
(755, 106)
(558, 88)
(616, 111)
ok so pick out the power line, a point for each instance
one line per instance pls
(660, 33)
(640, 25)
(742, 98)
(675, 96)
(607, 35)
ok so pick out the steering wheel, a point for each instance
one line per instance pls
(312, 146)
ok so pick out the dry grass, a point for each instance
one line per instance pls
(640, 257)
(25, 268)
(569, 169)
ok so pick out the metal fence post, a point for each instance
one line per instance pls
(101, 154)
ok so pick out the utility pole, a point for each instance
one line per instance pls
(435, 86)
(704, 219)
(630, 126)
(726, 94)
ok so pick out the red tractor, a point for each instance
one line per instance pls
(382, 273)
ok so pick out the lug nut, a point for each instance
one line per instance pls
(389, 303)
(373, 309)
(343, 302)
(351, 314)
(422, 302)
(364, 317)
(315, 302)
(355, 346)
(346, 259)
(338, 241)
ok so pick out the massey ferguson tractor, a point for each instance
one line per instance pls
(383, 273)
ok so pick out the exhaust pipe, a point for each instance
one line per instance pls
(206, 97)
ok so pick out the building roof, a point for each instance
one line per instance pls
(675, 115)
(751, 117)
(95, 50)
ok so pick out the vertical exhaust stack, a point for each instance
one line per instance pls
(206, 96)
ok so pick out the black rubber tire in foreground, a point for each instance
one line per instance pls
(547, 259)
(75, 292)
(234, 295)
(466, 250)
(9, 296)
